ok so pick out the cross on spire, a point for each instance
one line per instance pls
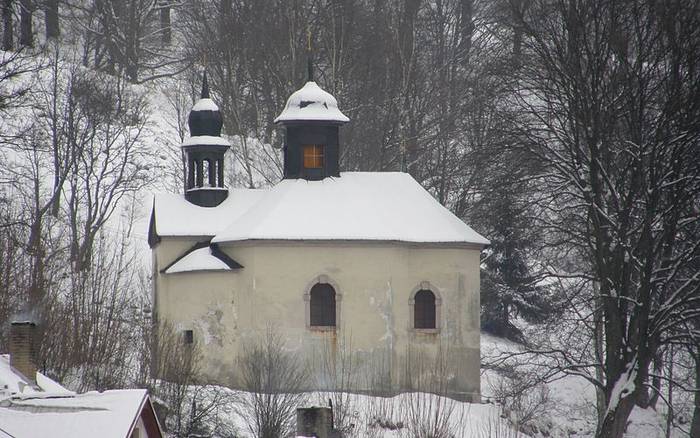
(309, 56)
(205, 86)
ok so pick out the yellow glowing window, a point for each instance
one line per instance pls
(313, 156)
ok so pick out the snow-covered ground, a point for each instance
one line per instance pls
(569, 408)
(404, 415)
(562, 408)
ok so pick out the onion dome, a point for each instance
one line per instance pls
(205, 118)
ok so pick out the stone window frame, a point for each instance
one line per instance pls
(425, 285)
(322, 279)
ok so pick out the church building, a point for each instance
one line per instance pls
(369, 260)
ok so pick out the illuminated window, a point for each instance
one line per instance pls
(313, 156)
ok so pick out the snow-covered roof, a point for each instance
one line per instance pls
(46, 408)
(311, 103)
(175, 216)
(203, 258)
(375, 206)
(382, 206)
(13, 383)
(205, 140)
(205, 104)
(108, 414)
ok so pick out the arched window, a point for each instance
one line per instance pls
(199, 173)
(322, 305)
(211, 172)
(424, 310)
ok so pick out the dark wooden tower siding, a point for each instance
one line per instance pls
(311, 150)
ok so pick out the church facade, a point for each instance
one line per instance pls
(363, 263)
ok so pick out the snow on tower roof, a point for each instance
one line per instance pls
(313, 104)
(205, 104)
(205, 140)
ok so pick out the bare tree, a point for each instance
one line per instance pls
(609, 102)
(105, 124)
(335, 368)
(51, 18)
(129, 37)
(275, 379)
(426, 411)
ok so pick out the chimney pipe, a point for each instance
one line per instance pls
(22, 348)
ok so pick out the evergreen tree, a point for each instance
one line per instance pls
(509, 286)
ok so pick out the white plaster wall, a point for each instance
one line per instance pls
(374, 282)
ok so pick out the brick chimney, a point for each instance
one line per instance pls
(22, 348)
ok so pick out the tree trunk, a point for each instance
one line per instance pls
(166, 31)
(615, 422)
(695, 425)
(656, 380)
(52, 25)
(7, 26)
(669, 398)
(599, 354)
(26, 31)
(132, 41)
(466, 30)
(407, 57)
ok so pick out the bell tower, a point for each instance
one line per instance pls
(204, 153)
(311, 121)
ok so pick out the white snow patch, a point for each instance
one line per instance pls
(205, 140)
(623, 387)
(110, 414)
(198, 260)
(13, 384)
(205, 104)
(175, 216)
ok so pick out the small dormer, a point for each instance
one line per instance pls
(204, 152)
(311, 120)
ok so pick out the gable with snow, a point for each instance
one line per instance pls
(323, 256)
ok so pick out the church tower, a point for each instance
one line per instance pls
(204, 153)
(311, 121)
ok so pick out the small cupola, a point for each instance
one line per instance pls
(311, 121)
(204, 152)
